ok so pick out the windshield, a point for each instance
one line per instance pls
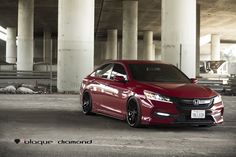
(157, 73)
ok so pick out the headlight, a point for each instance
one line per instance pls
(157, 97)
(217, 99)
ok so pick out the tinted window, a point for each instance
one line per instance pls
(118, 70)
(157, 73)
(104, 71)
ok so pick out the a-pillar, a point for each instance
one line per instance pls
(215, 47)
(47, 47)
(130, 29)
(75, 43)
(11, 45)
(111, 49)
(148, 53)
(25, 47)
(179, 34)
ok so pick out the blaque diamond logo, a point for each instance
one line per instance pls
(47, 142)
(17, 141)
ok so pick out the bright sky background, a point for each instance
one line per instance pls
(3, 33)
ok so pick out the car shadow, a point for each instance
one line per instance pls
(77, 120)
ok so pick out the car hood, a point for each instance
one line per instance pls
(181, 90)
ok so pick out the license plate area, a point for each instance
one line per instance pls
(198, 114)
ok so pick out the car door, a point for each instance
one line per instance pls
(98, 85)
(118, 92)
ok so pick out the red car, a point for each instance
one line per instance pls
(149, 93)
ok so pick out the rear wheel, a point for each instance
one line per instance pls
(133, 113)
(87, 104)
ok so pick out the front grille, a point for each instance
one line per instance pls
(188, 104)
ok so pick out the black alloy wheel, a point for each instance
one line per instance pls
(133, 113)
(87, 104)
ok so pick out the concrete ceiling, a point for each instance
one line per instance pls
(217, 16)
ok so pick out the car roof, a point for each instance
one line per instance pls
(134, 61)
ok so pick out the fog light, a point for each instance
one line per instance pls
(163, 114)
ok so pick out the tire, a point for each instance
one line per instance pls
(133, 117)
(87, 104)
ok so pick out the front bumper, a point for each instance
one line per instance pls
(179, 113)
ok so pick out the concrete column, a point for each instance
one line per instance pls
(75, 43)
(54, 48)
(25, 45)
(215, 47)
(198, 26)
(153, 51)
(119, 49)
(130, 29)
(179, 28)
(47, 45)
(148, 52)
(11, 45)
(158, 54)
(111, 49)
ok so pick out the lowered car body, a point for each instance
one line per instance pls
(149, 93)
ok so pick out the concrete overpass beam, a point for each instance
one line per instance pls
(179, 34)
(11, 45)
(130, 30)
(25, 47)
(75, 43)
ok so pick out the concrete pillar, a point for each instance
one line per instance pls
(158, 54)
(154, 51)
(148, 52)
(25, 45)
(54, 48)
(130, 29)
(119, 49)
(47, 46)
(11, 45)
(215, 47)
(111, 49)
(198, 26)
(75, 43)
(179, 28)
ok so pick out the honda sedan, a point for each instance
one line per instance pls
(149, 93)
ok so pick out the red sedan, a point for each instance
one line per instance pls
(149, 93)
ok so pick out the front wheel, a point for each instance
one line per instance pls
(87, 104)
(133, 113)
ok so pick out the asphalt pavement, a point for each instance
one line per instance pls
(54, 126)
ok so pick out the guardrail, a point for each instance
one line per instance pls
(216, 85)
(35, 78)
(27, 75)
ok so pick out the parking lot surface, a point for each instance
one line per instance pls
(53, 125)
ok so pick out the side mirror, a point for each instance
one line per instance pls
(119, 79)
(194, 80)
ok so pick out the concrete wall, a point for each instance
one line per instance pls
(8, 67)
(44, 67)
